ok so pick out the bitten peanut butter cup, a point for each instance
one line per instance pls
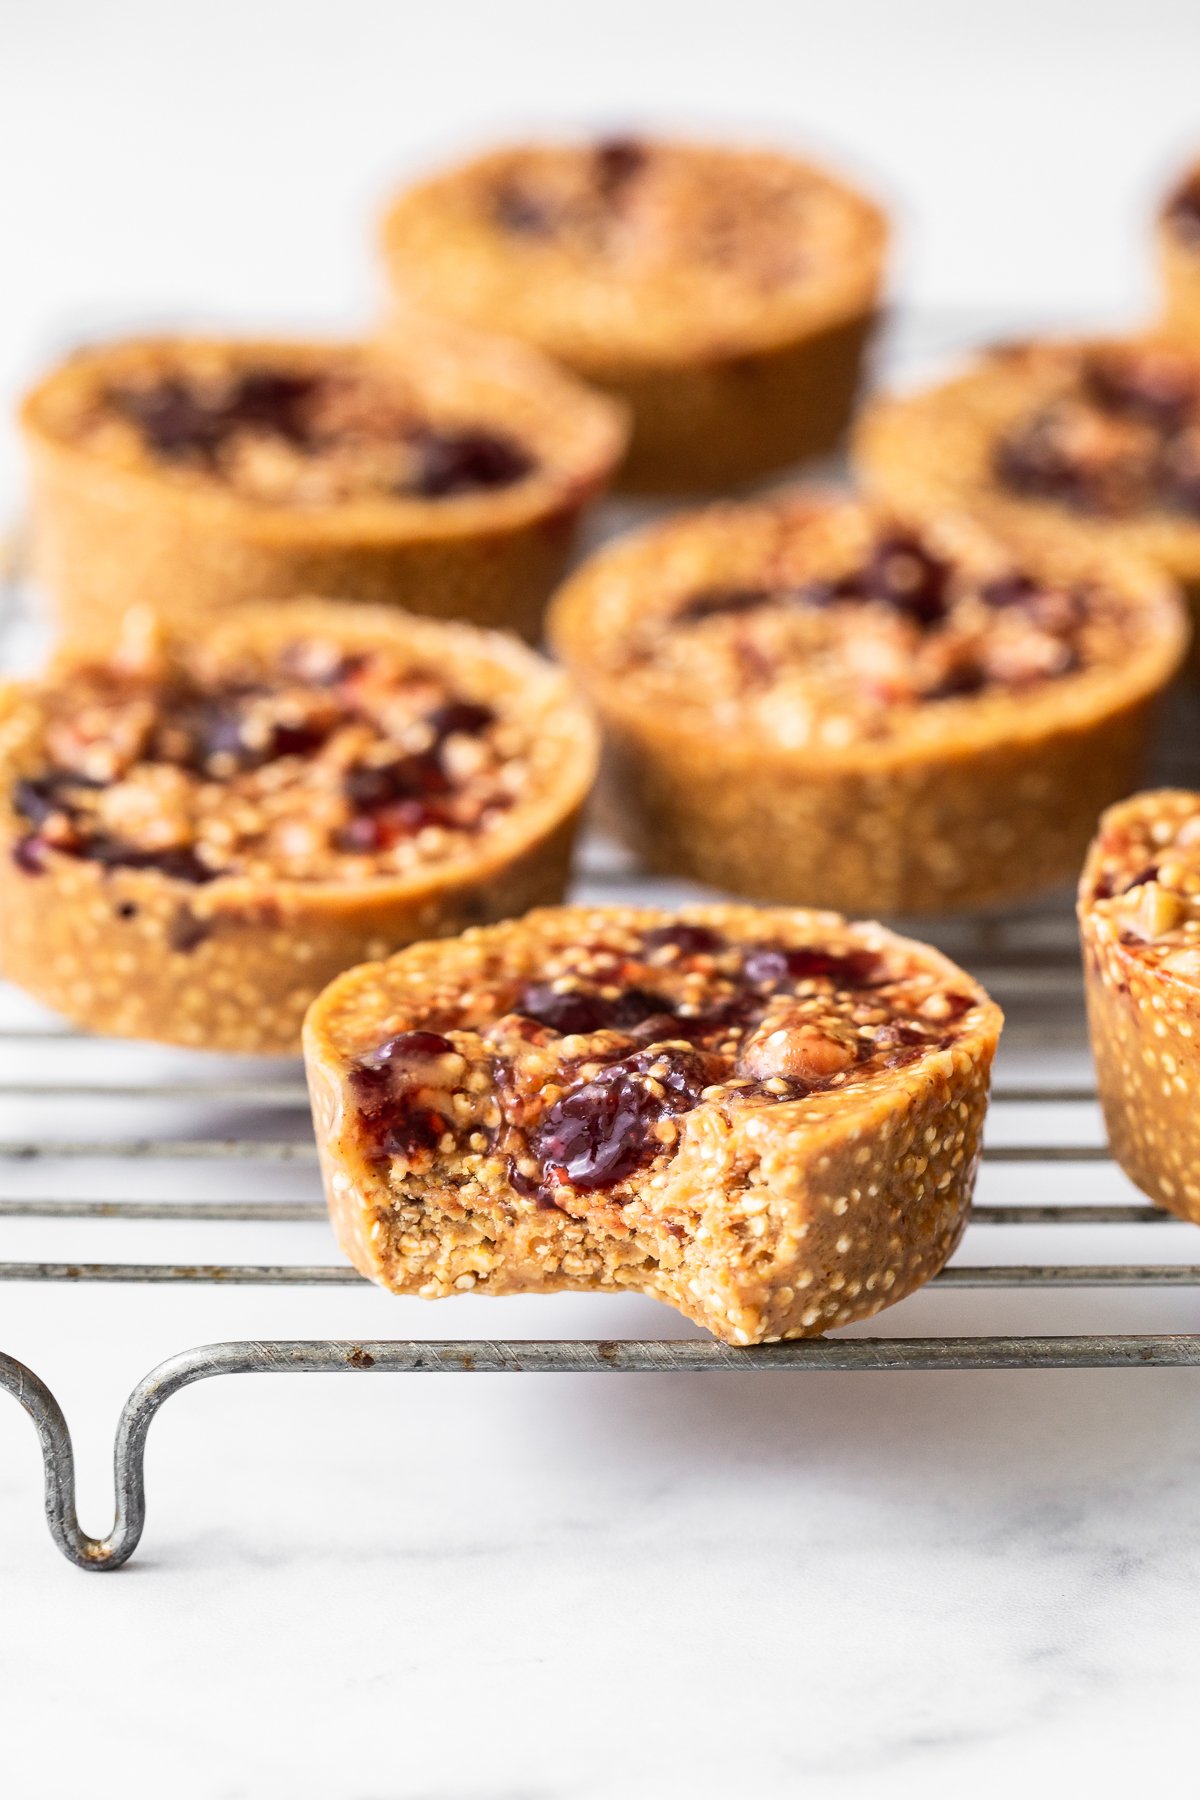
(820, 702)
(187, 476)
(194, 838)
(1139, 916)
(1096, 442)
(769, 1119)
(726, 294)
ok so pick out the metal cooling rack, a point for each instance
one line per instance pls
(1028, 959)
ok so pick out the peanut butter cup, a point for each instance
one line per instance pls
(1096, 442)
(194, 838)
(1178, 236)
(726, 294)
(185, 476)
(769, 1119)
(1139, 916)
(816, 701)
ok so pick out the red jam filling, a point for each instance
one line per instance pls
(903, 575)
(216, 734)
(523, 210)
(181, 423)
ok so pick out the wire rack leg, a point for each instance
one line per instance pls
(129, 1451)
(58, 1459)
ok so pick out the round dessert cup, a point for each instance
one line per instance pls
(1177, 237)
(1139, 918)
(963, 801)
(726, 295)
(933, 451)
(146, 946)
(771, 1171)
(122, 527)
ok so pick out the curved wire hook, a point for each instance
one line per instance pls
(129, 1450)
(58, 1459)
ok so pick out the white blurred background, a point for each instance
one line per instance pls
(224, 162)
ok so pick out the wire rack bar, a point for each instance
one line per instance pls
(488, 1356)
(161, 1150)
(256, 1212)
(301, 1151)
(301, 1212)
(968, 1275)
(295, 1093)
(226, 1093)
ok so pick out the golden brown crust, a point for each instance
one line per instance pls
(1141, 959)
(233, 963)
(804, 1215)
(731, 421)
(956, 803)
(726, 294)
(113, 533)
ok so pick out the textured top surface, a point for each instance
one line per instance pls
(317, 744)
(813, 626)
(1097, 435)
(641, 250)
(443, 429)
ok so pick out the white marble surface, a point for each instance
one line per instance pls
(520, 1588)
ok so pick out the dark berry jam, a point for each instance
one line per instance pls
(713, 603)
(573, 1012)
(56, 795)
(179, 862)
(582, 1011)
(900, 572)
(369, 786)
(39, 800)
(180, 422)
(407, 1047)
(689, 940)
(217, 732)
(467, 462)
(904, 574)
(602, 1132)
(393, 800)
(177, 423)
(773, 964)
(1036, 459)
(467, 718)
(397, 1106)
